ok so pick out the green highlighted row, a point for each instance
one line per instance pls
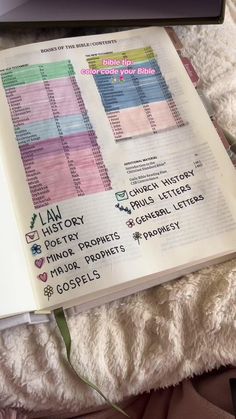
(37, 72)
(121, 58)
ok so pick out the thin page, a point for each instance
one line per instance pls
(120, 173)
(16, 294)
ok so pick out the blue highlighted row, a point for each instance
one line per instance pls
(51, 128)
(135, 90)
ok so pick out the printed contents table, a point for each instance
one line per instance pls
(58, 145)
(137, 101)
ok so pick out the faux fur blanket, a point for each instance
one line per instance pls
(149, 340)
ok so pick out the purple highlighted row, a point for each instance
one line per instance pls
(58, 146)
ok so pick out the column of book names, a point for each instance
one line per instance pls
(58, 145)
(136, 98)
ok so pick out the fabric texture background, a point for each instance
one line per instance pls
(152, 339)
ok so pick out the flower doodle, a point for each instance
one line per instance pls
(48, 291)
(36, 249)
(130, 223)
(137, 236)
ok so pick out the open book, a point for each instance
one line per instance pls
(113, 178)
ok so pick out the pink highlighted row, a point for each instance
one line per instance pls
(141, 120)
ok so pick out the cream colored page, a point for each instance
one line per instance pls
(114, 192)
(16, 293)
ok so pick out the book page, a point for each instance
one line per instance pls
(118, 172)
(16, 294)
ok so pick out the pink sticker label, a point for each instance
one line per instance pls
(190, 70)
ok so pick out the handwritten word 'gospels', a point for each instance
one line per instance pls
(78, 281)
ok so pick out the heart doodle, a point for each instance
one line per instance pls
(39, 262)
(43, 277)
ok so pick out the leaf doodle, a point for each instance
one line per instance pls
(32, 224)
(121, 208)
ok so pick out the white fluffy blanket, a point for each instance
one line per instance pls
(155, 338)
